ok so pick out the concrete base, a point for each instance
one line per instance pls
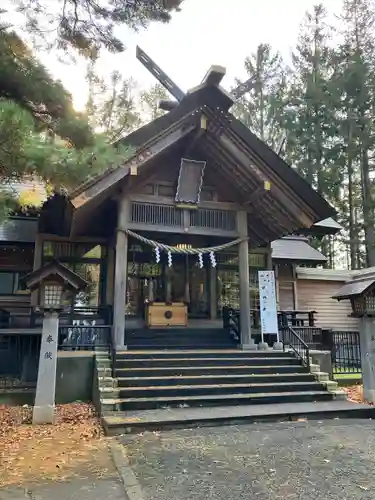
(44, 415)
(263, 346)
(248, 347)
(369, 395)
(278, 346)
(121, 348)
(323, 359)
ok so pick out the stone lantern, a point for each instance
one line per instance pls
(54, 283)
(361, 293)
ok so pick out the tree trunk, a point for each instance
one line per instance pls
(368, 210)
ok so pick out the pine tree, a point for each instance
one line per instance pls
(112, 104)
(88, 25)
(262, 108)
(41, 136)
(149, 101)
(357, 54)
(310, 113)
(24, 80)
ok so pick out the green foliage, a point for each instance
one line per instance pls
(89, 25)
(262, 109)
(111, 106)
(324, 105)
(149, 100)
(26, 152)
(25, 81)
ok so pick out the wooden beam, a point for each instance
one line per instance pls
(159, 74)
(167, 105)
(288, 203)
(197, 136)
(243, 88)
(120, 274)
(214, 76)
(202, 231)
(138, 160)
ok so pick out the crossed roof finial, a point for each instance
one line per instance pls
(213, 77)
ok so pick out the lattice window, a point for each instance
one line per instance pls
(148, 213)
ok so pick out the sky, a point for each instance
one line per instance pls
(204, 33)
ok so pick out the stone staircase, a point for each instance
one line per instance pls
(149, 385)
(179, 338)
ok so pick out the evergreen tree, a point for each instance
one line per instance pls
(112, 106)
(357, 77)
(149, 101)
(25, 81)
(262, 108)
(41, 136)
(89, 25)
(310, 112)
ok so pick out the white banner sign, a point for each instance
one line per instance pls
(268, 307)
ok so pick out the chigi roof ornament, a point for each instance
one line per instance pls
(213, 76)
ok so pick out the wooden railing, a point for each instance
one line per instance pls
(213, 219)
(158, 215)
(25, 317)
(85, 337)
(154, 214)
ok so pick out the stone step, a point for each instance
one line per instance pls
(187, 344)
(155, 420)
(285, 378)
(213, 400)
(203, 361)
(181, 391)
(200, 353)
(160, 371)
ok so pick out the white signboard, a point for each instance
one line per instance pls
(268, 307)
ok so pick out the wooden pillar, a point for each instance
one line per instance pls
(269, 258)
(38, 259)
(243, 257)
(295, 288)
(121, 274)
(213, 292)
(109, 284)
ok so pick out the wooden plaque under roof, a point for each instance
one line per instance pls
(190, 180)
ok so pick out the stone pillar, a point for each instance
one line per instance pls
(121, 274)
(44, 407)
(367, 342)
(243, 254)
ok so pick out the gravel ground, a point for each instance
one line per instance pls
(76, 489)
(327, 460)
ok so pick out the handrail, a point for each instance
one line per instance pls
(297, 344)
(231, 323)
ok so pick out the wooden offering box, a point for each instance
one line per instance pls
(163, 314)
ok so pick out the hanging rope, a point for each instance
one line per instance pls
(186, 251)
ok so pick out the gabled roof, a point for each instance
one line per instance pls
(323, 228)
(296, 249)
(354, 288)
(279, 201)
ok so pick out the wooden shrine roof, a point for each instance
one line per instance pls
(278, 200)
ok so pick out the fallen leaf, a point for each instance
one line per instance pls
(46, 451)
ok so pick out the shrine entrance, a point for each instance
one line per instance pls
(183, 282)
